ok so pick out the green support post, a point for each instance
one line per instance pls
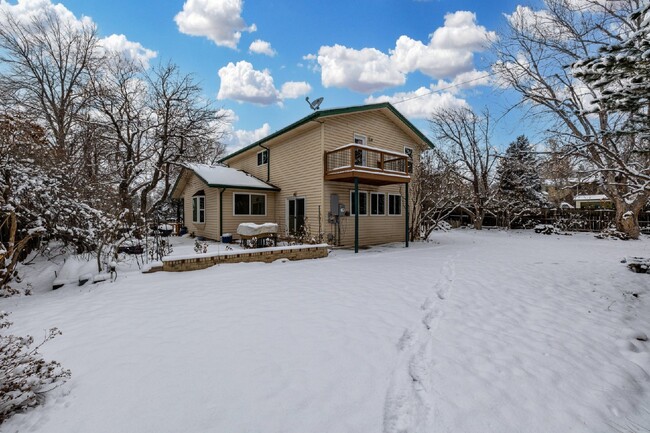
(406, 220)
(356, 215)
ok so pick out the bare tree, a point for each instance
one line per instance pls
(437, 193)
(535, 57)
(48, 60)
(125, 121)
(465, 149)
(152, 121)
(186, 128)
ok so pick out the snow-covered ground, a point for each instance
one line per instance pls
(472, 332)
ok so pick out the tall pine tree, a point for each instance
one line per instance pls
(520, 187)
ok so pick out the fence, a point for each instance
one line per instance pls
(587, 220)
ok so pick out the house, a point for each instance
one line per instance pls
(311, 177)
(593, 201)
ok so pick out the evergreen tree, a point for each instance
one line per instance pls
(621, 72)
(520, 187)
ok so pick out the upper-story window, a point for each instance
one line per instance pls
(409, 152)
(263, 157)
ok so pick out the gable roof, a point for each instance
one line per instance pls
(220, 176)
(335, 112)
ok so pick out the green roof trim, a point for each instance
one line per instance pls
(253, 188)
(334, 112)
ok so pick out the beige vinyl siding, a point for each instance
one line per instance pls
(296, 168)
(296, 161)
(382, 133)
(210, 229)
(373, 229)
(231, 221)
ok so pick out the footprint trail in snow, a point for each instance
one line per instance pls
(409, 401)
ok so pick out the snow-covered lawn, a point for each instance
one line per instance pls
(473, 332)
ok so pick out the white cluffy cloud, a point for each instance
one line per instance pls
(294, 89)
(420, 103)
(241, 82)
(129, 49)
(449, 52)
(365, 70)
(259, 46)
(218, 20)
(26, 10)
(236, 139)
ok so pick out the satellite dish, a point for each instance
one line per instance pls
(315, 105)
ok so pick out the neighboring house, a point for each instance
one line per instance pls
(593, 201)
(303, 177)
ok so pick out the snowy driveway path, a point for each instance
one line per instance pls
(478, 332)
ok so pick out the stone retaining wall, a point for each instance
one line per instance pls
(262, 255)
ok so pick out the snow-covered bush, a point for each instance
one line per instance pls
(39, 205)
(612, 233)
(547, 229)
(200, 247)
(25, 376)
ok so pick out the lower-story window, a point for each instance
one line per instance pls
(394, 204)
(363, 203)
(198, 209)
(249, 204)
(377, 206)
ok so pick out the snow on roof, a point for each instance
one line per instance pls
(591, 197)
(220, 175)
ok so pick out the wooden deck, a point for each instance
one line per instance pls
(370, 165)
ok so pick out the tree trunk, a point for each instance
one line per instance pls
(479, 215)
(627, 216)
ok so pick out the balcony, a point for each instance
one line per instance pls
(370, 165)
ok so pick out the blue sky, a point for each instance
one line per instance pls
(259, 59)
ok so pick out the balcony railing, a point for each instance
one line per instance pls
(371, 165)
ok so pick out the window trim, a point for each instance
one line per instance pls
(262, 152)
(400, 205)
(249, 194)
(361, 137)
(377, 193)
(200, 199)
(352, 201)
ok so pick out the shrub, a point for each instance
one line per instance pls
(25, 377)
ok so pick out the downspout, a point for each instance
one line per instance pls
(221, 190)
(268, 162)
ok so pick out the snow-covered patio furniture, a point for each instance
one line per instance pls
(256, 234)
